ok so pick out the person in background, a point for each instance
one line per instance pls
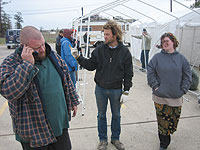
(40, 93)
(87, 43)
(169, 75)
(114, 71)
(74, 41)
(146, 45)
(58, 44)
(66, 46)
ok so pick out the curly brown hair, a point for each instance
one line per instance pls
(115, 28)
(171, 37)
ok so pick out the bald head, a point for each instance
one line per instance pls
(30, 33)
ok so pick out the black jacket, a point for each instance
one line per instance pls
(113, 66)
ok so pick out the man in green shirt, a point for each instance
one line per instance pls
(40, 93)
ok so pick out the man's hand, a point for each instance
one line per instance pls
(124, 97)
(74, 109)
(74, 52)
(27, 54)
(156, 89)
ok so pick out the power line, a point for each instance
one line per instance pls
(78, 7)
(51, 12)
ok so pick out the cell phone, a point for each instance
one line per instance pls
(35, 54)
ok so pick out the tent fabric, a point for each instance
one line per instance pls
(186, 28)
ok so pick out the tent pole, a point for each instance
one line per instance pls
(85, 76)
(139, 12)
(82, 99)
(163, 12)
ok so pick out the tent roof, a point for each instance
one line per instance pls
(186, 17)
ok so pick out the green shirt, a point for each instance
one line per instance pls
(53, 98)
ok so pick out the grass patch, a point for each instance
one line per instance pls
(2, 41)
(50, 40)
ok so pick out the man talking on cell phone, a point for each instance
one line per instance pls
(40, 93)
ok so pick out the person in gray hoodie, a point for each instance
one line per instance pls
(169, 75)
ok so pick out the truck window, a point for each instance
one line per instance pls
(18, 32)
(10, 33)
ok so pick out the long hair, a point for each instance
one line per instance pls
(115, 28)
(171, 37)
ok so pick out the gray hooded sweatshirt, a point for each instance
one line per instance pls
(170, 73)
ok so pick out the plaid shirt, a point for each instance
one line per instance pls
(19, 86)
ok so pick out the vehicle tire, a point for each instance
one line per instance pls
(8, 47)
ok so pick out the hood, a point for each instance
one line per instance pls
(120, 44)
(67, 33)
(64, 39)
(175, 52)
(171, 55)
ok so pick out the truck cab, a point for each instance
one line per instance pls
(12, 38)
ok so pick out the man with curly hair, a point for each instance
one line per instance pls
(114, 71)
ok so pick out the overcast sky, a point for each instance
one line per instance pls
(51, 14)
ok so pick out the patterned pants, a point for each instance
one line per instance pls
(167, 118)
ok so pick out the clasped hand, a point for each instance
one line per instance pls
(74, 52)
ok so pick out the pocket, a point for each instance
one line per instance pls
(156, 91)
(160, 91)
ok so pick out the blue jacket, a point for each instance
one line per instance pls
(66, 55)
(170, 73)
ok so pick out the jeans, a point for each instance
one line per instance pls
(102, 96)
(142, 58)
(73, 77)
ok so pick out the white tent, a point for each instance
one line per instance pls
(189, 31)
(186, 27)
(156, 27)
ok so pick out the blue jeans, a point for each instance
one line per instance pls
(102, 96)
(142, 58)
(73, 77)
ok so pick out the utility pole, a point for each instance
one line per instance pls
(170, 5)
(0, 21)
(82, 10)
